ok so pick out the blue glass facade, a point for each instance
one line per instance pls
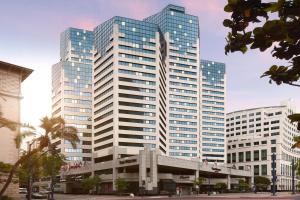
(181, 33)
(213, 111)
(72, 89)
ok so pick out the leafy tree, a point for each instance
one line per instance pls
(261, 183)
(298, 186)
(251, 27)
(198, 182)
(121, 184)
(29, 171)
(53, 128)
(220, 187)
(52, 164)
(5, 167)
(90, 183)
(243, 185)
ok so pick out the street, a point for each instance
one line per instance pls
(282, 196)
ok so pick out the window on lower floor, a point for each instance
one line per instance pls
(264, 154)
(256, 155)
(248, 155)
(241, 156)
(256, 170)
(264, 169)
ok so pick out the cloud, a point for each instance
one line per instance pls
(87, 24)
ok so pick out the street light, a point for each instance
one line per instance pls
(293, 176)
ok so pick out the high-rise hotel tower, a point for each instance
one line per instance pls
(212, 107)
(72, 91)
(146, 80)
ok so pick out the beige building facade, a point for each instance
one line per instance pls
(11, 77)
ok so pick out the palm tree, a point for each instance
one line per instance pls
(8, 123)
(54, 128)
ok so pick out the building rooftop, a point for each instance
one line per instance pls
(256, 108)
(25, 72)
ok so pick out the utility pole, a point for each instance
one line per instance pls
(274, 177)
(293, 176)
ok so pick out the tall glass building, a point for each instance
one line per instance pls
(72, 91)
(212, 106)
(181, 35)
(146, 82)
(156, 110)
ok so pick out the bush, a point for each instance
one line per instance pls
(220, 187)
(6, 198)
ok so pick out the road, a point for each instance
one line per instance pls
(244, 196)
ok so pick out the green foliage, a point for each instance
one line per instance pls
(251, 28)
(52, 164)
(243, 185)
(121, 184)
(5, 167)
(6, 198)
(298, 186)
(90, 183)
(220, 187)
(53, 128)
(261, 183)
(199, 181)
(32, 166)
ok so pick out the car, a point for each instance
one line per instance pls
(37, 195)
(45, 192)
(22, 190)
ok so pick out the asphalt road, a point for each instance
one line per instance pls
(245, 196)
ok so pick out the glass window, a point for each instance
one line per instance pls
(264, 169)
(256, 155)
(256, 170)
(264, 154)
(228, 158)
(233, 157)
(241, 156)
(248, 155)
(273, 141)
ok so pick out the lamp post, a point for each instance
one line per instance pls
(293, 176)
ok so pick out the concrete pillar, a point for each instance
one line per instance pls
(114, 167)
(142, 169)
(153, 171)
(196, 174)
(228, 182)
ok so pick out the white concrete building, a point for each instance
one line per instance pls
(254, 134)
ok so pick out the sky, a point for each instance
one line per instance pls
(30, 33)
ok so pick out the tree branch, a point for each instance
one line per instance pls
(293, 84)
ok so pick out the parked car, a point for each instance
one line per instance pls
(37, 195)
(22, 191)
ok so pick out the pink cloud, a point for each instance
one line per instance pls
(87, 24)
(137, 9)
(211, 7)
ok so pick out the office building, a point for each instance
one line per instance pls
(253, 135)
(146, 93)
(146, 80)
(11, 78)
(212, 109)
(72, 91)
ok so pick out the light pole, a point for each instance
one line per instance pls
(293, 176)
